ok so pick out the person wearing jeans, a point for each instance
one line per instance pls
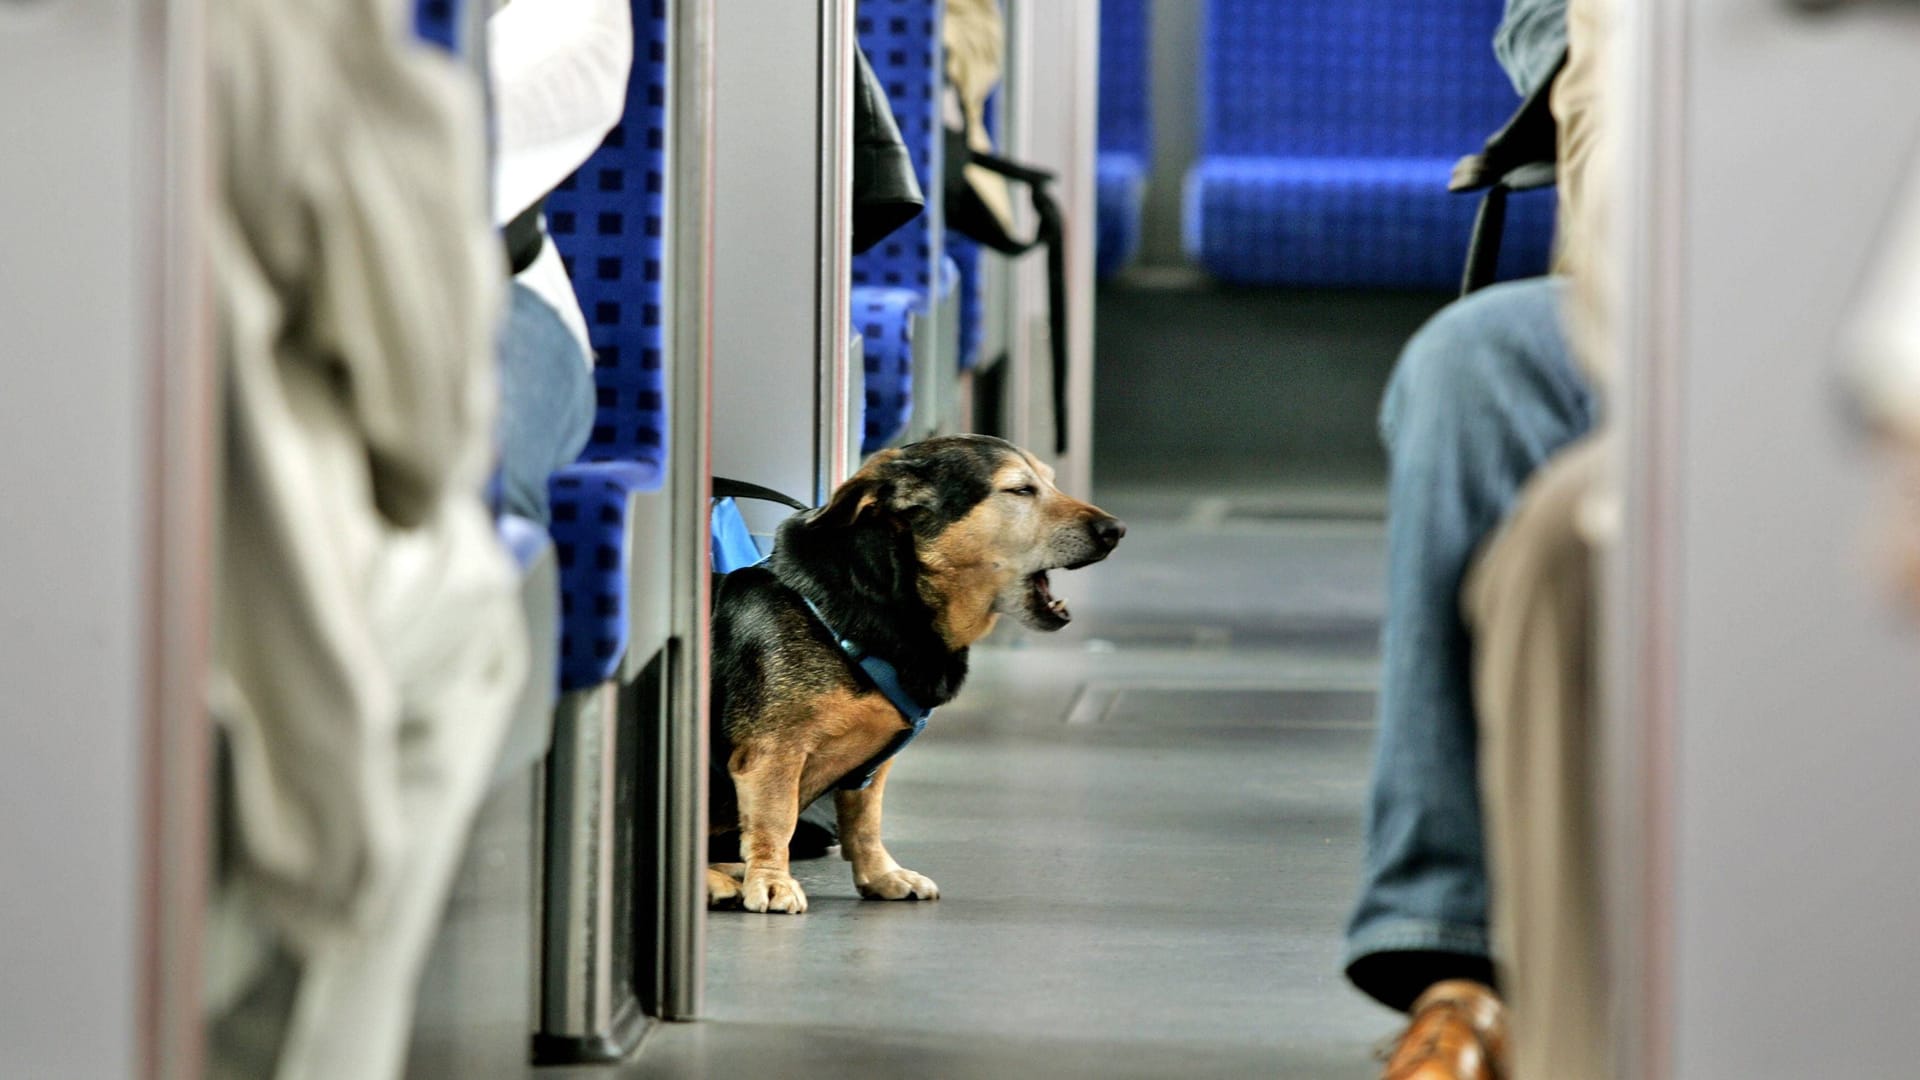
(1483, 395)
(1490, 423)
(547, 407)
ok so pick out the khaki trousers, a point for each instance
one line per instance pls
(1529, 603)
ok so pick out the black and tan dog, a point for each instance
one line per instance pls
(912, 561)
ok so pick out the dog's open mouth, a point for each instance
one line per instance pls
(1048, 612)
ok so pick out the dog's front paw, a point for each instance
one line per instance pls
(771, 890)
(899, 884)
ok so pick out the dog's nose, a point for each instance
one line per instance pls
(1108, 531)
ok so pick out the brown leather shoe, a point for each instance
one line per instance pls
(1459, 1032)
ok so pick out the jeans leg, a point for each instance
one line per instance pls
(1482, 395)
(546, 402)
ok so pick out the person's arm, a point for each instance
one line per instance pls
(559, 72)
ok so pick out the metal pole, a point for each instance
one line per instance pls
(682, 899)
(1639, 626)
(181, 476)
(833, 282)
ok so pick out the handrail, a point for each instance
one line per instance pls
(681, 899)
(838, 443)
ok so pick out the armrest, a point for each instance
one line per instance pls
(1521, 154)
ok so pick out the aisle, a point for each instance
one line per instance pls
(1145, 830)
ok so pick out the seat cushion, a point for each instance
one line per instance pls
(1380, 222)
(884, 319)
(593, 507)
(1122, 179)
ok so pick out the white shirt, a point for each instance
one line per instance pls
(559, 72)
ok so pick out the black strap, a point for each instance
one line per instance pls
(1051, 232)
(1514, 154)
(740, 489)
(1518, 157)
(886, 192)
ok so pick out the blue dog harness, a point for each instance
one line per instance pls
(885, 678)
(734, 549)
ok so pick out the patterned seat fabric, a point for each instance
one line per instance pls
(592, 502)
(1329, 130)
(884, 319)
(1126, 131)
(608, 221)
(902, 274)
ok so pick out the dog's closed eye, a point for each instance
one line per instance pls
(1027, 490)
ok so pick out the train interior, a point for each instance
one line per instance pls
(343, 755)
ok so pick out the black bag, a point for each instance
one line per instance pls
(970, 216)
(886, 195)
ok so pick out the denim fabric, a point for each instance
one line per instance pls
(1482, 396)
(1531, 37)
(546, 402)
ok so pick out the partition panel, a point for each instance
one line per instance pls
(783, 389)
(1052, 123)
(1759, 733)
(108, 429)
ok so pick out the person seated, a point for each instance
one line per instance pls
(368, 646)
(1484, 398)
(558, 70)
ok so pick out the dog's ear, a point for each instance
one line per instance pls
(907, 485)
(848, 501)
(890, 483)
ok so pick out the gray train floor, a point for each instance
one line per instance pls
(1145, 829)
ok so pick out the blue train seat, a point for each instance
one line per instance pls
(1126, 132)
(901, 280)
(437, 22)
(608, 221)
(1328, 134)
(884, 320)
(965, 258)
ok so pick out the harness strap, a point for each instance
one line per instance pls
(885, 678)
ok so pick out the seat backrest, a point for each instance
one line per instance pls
(1126, 105)
(903, 44)
(1351, 78)
(609, 222)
